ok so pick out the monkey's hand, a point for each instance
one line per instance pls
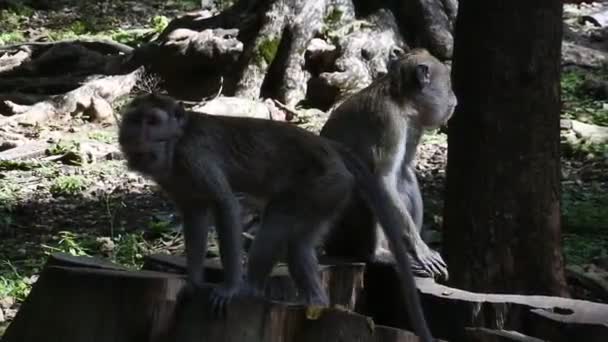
(428, 263)
(221, 296)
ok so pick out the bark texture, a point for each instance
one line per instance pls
(502, 214)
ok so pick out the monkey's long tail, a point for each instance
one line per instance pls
(377, 198)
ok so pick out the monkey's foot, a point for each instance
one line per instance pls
(220, 297)
(428, 263)
(250, 290)
(314, 312)
(187, 292)
(383, 256)
(314, 300)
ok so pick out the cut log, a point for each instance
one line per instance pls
(575, 54)
(10, 62)
(83, 304)
(235, 106)
(599, 18)
(255, 321)
(489, 335)
(26, 151)
(448, 310)
(68, 260)
(342, 281)
(96, 300)
(594, 279)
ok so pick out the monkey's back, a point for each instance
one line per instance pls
(260, 157)
(369, 123)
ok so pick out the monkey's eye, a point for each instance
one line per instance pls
(152, 121)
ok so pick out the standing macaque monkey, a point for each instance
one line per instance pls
(382, 124)
(201, 161)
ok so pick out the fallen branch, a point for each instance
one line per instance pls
(9, 62)
(25, 151)
(93, 98)
(41, 85)
(599, 19)
(100, 45)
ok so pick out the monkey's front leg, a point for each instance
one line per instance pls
(196, 228)
(425, 261)
(210, 180)
(228, 226)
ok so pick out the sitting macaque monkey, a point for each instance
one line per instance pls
(201, 161)
(382, 124)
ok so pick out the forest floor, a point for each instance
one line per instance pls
(97, 207)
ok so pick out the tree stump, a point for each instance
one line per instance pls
(342, 281)
(83, 299)
(449, 311)
(95, 301)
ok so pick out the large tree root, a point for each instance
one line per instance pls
(297, 52)
(270, 49)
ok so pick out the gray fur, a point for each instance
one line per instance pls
(382, 124)
(304, 180)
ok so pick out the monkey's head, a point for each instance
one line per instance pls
(420, 80)
(150, 128)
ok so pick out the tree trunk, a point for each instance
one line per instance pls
(502, 213)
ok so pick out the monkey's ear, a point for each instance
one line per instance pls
(180, 111)
(423, 75)
(395, 53)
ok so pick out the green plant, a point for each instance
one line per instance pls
(12, 282)
(103, 136)
(333, 18)
(8, 196)
(130, 37)
(160, 226)
(578, 104)
(223, 4)
(581, 249)
(584, 149)
(584, 212)
(130, 249)
(11, 20)
(68, 185)
(11, 37)
(434, 137)
(159, 23)
(62, 147)
(79, 27)
(18, 165)
(70, 243)
(267, 50)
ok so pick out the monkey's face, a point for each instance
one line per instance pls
(426, 82)
(148, 133)
(436, 100)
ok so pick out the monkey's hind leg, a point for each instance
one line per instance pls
(269, 244)
(303, 264)
(311, 222)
